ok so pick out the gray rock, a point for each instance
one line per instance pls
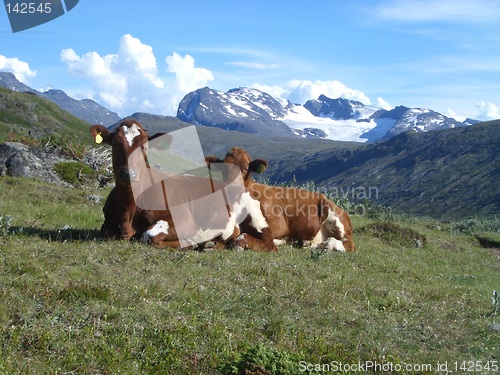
(19, 160)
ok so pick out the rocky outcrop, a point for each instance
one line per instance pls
(19, 160)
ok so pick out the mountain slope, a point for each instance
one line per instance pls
(85, 109)
(25, 112)
(452, 173)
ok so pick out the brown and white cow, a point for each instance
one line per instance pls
(292, 214)
(127, 215)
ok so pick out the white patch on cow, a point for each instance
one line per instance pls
(203, 235)
(333, 244)
(333, 224)
(279, 242)
(161, 226)
(131, 133)
(330, 226)
(252, 206)
(246, 205)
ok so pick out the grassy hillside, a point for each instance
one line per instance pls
(70, 303)
(25, 113)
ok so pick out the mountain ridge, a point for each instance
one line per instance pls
(85, 109)
(254, 111)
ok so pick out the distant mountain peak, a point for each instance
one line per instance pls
(338, 109)
(86, 109)
(241, 109)
(9, 80)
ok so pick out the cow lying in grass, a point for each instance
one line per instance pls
(292, 214)
(145, 202)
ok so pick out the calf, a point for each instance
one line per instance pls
(292, 214)
(157, 207)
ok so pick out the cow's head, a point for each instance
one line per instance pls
(239, 157)
(127, 137)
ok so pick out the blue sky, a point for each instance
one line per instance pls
(133, 56)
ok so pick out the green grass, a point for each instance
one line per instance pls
(71, 303)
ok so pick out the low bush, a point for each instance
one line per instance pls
(74, 172)
(395, 235)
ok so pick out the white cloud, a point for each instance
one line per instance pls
(129, 81)
(487, 111)
(383, 104)
(452, 114)
(459, 11)
(254, 65)
(17, 67)
(188, 77)
(299, 92)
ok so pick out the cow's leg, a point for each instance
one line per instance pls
(162, 240)
(110, 231)
(262, 242)
(161, 234)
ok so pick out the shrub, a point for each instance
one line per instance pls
(395, 235)
(473, 226)
(259, 360)
(75, 173)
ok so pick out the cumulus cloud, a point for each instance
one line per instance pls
(299, 92)
(188, 77)
(383, 104)
(130, 81)
(487, 111)
(17, 67)
(451, 113)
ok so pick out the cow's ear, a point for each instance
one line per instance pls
(212, 159)
(257, 166)
(162, 141)
(101, 134)
(168, 137)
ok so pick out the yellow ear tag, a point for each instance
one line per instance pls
(98, 138)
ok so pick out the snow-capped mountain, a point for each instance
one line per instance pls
(421, 120)
(336, 119)
(242, 109)
(253, 111)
